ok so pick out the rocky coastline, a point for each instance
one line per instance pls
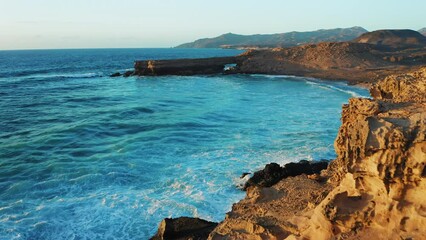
(364, 60)
(354, 62)
(373, 189)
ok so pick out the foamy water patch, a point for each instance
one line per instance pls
(337, 86)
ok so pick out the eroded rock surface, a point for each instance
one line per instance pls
(272, 212)
(405, 88)
(376, 187)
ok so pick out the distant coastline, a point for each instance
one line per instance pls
(363, 61)
(288, 39)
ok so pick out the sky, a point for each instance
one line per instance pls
(53, 24)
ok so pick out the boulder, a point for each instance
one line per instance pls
(184, 228)
(117, 74)
(273, 172)
(128, 74)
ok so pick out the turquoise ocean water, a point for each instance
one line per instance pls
(86, 156)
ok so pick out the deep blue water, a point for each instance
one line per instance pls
(86, 156)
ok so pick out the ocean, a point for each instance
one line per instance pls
(86, 156)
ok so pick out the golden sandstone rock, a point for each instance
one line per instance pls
(376, 187)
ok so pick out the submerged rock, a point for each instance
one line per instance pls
(184, 228)
(125, 74)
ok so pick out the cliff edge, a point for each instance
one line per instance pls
(374, 189)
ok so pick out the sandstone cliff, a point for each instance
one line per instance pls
(376, 187)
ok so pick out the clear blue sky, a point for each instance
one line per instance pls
(29, 24)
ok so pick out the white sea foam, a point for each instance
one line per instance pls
(325, 86)
(64, 75)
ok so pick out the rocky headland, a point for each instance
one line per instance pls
(373, 189)
(366, 59)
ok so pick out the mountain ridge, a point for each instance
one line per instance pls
(287, 39)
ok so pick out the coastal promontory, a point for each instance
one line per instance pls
(366, 59)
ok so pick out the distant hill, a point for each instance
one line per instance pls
(231, 40)
(423, 31)
(393, 38)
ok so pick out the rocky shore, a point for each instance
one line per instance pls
(354, 62)
(374, 189)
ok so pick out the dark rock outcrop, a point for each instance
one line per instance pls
(117, 74)
(128, 73)
(273, 172)
(125, 74)
(183, 66)
(184, 228)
